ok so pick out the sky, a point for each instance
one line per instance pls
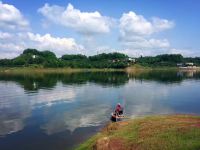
(89, 27)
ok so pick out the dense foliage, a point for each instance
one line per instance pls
(170, 60)
(161, 60)
(33, 57)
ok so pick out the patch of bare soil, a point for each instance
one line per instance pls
(106, 143)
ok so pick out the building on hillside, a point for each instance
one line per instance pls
(33, 56)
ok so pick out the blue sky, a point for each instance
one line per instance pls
(134, 27)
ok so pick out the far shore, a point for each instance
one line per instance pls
(132, 69)
(54, 70)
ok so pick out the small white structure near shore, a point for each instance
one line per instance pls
(132, 59)
(188, 65)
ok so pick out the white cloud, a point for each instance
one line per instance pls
(14, 37)
(9, 45)
(143, 43)
(139, 52)
(161, 24)
(185, 52)
(60, 45)
(12, 44)
(83, 22)
(5, 35)
(133, 24)
(136, 32)
(11, 18)
(153, 52)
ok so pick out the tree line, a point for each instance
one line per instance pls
(33, 57)
(168, 60)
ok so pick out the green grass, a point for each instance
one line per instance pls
(89, 143)
(22, 70)
(32, 69)
(175, 132)
(135, 69)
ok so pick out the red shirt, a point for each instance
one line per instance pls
(118, 108)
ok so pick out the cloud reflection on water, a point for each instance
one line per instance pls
(16, 107)
(81, 117)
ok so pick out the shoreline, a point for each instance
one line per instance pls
(54, 70)
(132, 69)
(148, 132)
(71, 70)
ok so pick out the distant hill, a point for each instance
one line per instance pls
(33, 57)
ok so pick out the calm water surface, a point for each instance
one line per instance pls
(59, 111)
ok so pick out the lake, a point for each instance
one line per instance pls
(59, 111)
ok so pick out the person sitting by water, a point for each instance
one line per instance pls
(117, 114)
(119, 109)
(114, 116)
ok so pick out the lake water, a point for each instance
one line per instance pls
(59, 111)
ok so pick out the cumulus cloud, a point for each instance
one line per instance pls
(136, 31)
(83, 22)
(135, 24)
(12, 44)
(131, 23)
(11, 18)
(161, 24)
(14, 37)
(143, 43)
(61, 45)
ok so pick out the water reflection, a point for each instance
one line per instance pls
(172, 76)
(85, 117)
(71, 107)
(33, 82)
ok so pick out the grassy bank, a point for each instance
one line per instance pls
(134, 68)
(174, 132)
(19, 70)
(139, 68)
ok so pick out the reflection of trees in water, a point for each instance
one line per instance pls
(33, 82)
(101, 78)
(168, 76)
(160, 76)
